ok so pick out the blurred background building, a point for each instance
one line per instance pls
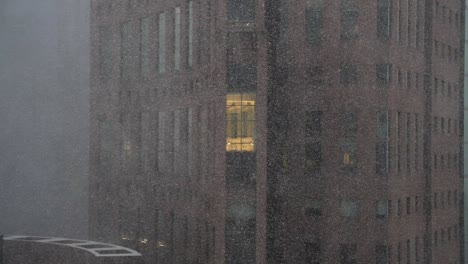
(44, 68)
(245, 131)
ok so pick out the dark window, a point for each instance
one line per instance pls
(399, 207)
(408, 205)
(383, 19)
(313, 156)
(382, 143)
(313, 124)
(384, 73)
(312, 253)
(381, 254)
(241, 77)
(348, 254)
(241, 10)
(316, 75)
(314, 209)
(408, 251)
(349, 74)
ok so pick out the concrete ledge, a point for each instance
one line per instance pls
(47, 250)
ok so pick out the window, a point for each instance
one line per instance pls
(313, 126)
(399, 207)
(190, 34)
(145, 48)
(416, 203)
(416, 141)
(349, 19)
(240, 114)
(408, 22)
(162, 42)
(408, 205)
(125, 50)
(408, 140)
(314, 209)
(384, 73)
(313, 21)
(313, 157)
(162, 164)
(381, 209)
(316, 75)
(399, 20)
(399, 77)
(349, 209)
(349, 74)
(399, 253)
(348, 254)
(349, 140)
(408, 80)
(381, 155)
(177, 38)
(312, 252)
(383, 19)
(408, 251)
(417, 246)
(105, 52)
(241, 10)
(381, 254)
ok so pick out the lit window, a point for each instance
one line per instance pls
(240, 115)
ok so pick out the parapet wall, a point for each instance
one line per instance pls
(46, 250)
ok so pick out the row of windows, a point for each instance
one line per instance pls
(444, 88)
(444, 236)
(313, 252)
(446, 14)
(350, 16)
(446, 51)
(443, 125)
(147, 62)
(172, 233)
(443, 162)
(384, 209)
(444, 200)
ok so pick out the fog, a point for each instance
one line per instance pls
(44, 117)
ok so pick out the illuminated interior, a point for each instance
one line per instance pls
(240, 115)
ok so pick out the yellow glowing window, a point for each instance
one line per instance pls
(240, 115)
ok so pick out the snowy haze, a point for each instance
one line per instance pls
(44, 117)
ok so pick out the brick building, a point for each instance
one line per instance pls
(268, 131)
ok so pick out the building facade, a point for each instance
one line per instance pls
(272, 131)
